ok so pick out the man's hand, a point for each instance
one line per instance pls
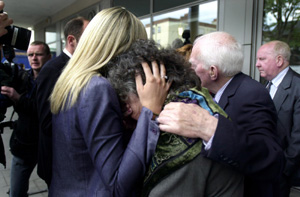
(187, 120)
(154, 92)
(4, 20)
(11, 93)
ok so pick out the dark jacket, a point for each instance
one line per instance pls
(24, 139)
(249, 142)
(287, 103)
(45, 83)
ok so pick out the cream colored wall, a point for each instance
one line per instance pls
(241, 19)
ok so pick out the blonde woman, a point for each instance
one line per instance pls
(90, 157)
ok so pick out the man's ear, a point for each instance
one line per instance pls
(279, 61)
(71, 40)
(213, 72)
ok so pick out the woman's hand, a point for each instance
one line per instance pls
(154, 92)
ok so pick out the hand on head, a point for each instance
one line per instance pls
(154, 92)
(4, 20)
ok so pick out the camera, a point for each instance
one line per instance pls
(8, 77)
(16, 37)
(9, 72)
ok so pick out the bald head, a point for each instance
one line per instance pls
(216, 39)
(272, 58)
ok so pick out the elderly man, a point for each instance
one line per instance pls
(24, 139)
(248, 141)
(273, 64)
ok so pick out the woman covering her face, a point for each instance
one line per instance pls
(176, 169)
(90, 157)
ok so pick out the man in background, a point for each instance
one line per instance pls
(284, 87)
(24, 139)
(45, 83)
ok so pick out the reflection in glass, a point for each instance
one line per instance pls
(173, 29)
(146, 22)
(281, 22)
(171, 26)
(208, 13)
(51, 37)
(51, 40)
(52, 47)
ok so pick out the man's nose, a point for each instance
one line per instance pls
(257, 64)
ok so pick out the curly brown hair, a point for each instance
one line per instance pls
(121, 71)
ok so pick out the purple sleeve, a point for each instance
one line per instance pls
(119, 167)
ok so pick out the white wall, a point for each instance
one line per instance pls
(238, 17)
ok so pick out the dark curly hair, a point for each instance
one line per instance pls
(121, 71)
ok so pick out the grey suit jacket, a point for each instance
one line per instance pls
(287, 103)
(201, 177)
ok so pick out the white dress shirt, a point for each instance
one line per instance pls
(217, 99)
(67, 52)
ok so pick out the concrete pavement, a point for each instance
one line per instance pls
(37, 187)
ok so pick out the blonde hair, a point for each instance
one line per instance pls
(110, 32)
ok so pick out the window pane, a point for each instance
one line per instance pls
(147, 25)
(208, 13)
(171, 26)
(281, 22)
(138, 8)
(51, 36)
(159, 5)
(183, 26)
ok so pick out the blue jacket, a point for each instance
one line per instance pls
(90, 157)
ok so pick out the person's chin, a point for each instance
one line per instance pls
(36, 67)
(135, 116)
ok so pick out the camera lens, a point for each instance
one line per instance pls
(16, 37)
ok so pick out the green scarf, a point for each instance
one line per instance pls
(173, 151)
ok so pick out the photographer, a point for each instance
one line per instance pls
(24, 139)
(4, 21)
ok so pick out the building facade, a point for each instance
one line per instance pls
(251, 22)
